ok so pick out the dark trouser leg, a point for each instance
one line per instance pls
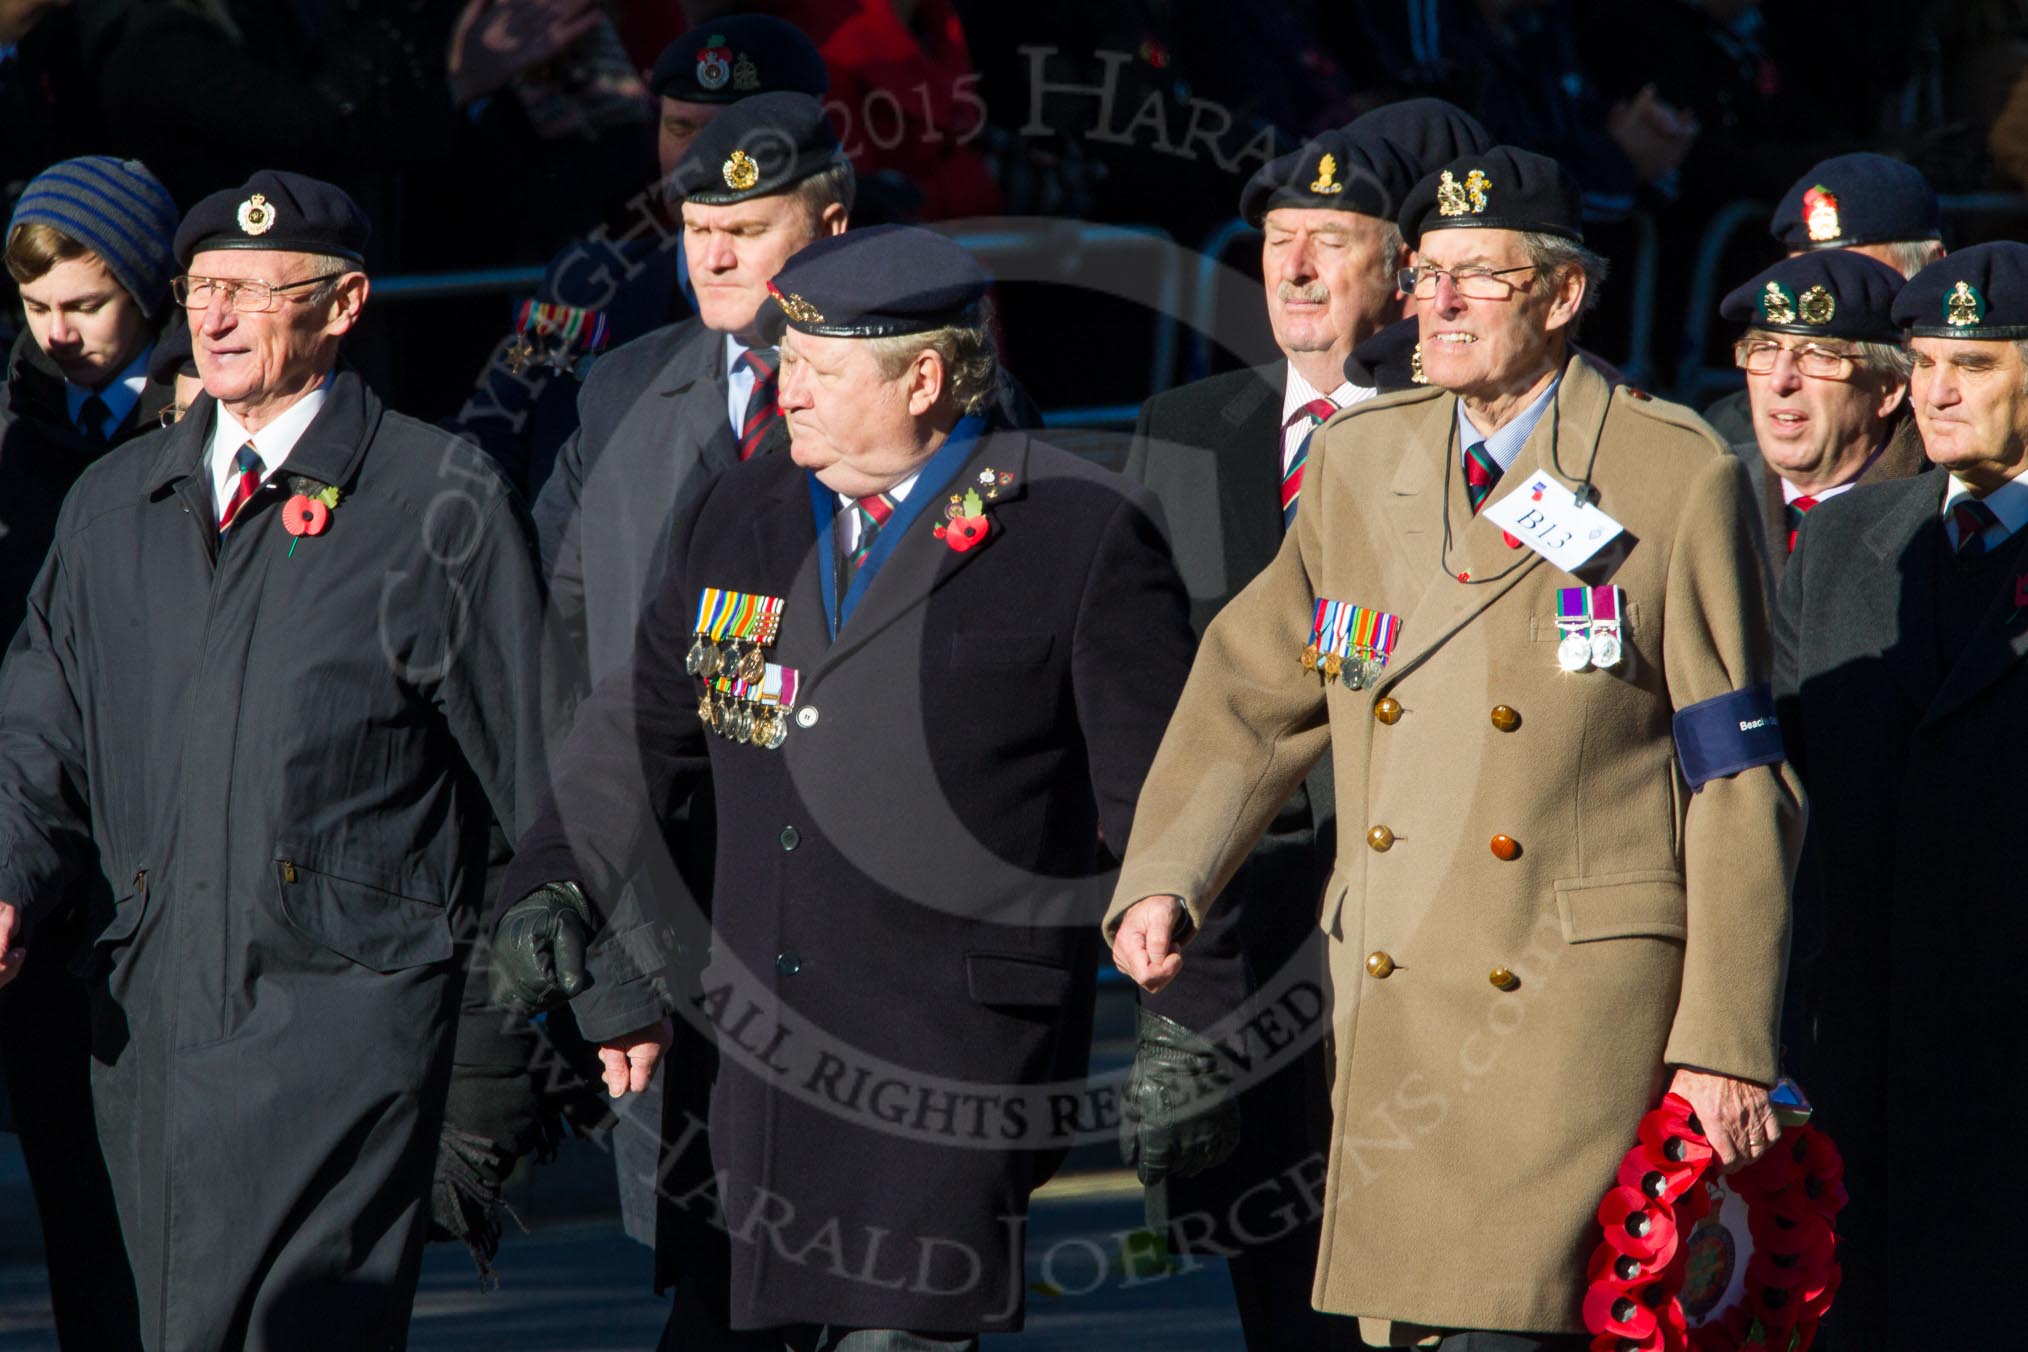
(1515, 1342)
(1271, 1285)
(893, 1340)
(45, 1044)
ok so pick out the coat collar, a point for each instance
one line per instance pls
(1898, 539)
(1249, 473)
(329, 450)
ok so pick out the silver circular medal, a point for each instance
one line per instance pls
(1574, 652)
(693, 661)
(1605, 649)
(778, 731)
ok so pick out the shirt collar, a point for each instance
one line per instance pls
(2009, 501)
(119, 396)
(1504, 446)
(899, 492)
(1298, 391)
(274, 442)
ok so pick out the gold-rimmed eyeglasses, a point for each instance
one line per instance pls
(1757, 356)
(247, 295)
(1471, 283)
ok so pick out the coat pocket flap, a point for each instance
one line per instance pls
(118, 929)
(1622, 906)
(369, 925)
(1004, 979)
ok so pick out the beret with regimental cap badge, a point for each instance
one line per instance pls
(1828, 293)
(879, 282)
(1980, 292)
(757, 147)
(1431, 132)
(1503, 188)
(276, 209)
(1337, 171)
(1857, 199)
(736, 56)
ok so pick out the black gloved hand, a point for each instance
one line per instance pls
(1178, 1116)
(538, 949)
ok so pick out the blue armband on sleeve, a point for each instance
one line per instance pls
(1726, 734)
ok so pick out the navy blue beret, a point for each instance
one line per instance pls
(1980, 292)
(1335, 170)
(1857, 199)
(1503, 188)
(757, 146)
(1826, 293)
(276, 209)
(738, 55)
(878, 282)
(1431, 131)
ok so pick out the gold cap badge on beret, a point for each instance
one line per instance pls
(1327, 168)
(795, 307)
(741, 172)
(256, 217)
(1964, 307)
(1820, 213)
(1778, 304)
(1462, 199)
(1816, 306)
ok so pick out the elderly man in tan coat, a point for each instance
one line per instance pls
(1524, 613)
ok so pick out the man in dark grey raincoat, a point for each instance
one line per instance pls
(277, 681)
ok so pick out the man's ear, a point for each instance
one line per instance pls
(927, 382)
(1568, 302)
(348, 300)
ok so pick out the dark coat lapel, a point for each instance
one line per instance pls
(701, 423)
(921, 563)
(1901, 593)
(1249, 473)
(1999, 641)
(785, 539)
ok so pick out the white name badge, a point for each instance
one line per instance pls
(1541, 514)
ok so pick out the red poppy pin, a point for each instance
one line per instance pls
(308, 512)
(965, 524)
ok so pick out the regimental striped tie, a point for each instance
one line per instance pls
(1292, 475)
(1972, 519)
(1798, 508)
(1482, 472)
(248, 463)
(763, 409)
(873, 513)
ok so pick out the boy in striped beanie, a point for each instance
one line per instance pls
(89, 247)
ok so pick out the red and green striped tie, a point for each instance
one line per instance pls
(763, 410)
(1292, 475)
(1482, 471)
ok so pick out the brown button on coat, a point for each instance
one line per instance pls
(1644, 926)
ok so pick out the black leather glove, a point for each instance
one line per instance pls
(1179, 1116)
(538, 949)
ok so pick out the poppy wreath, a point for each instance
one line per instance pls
(1669, 1253)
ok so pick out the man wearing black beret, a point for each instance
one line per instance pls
(623, 281)
(924, 664)
(1903, 618)
(1504, 596)
(1828, 381)
(1222, 455)
(1863, 202)
(277, 681)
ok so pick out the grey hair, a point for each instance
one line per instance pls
(1910, 256)
(317, 265)
(1891, 360)
(1554, 255)
(970, 358)
(835, 182)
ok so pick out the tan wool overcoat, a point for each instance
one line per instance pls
(1500, 1024)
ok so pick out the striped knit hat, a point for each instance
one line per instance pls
(115, 208)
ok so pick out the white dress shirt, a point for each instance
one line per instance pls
(274, 442)
(739, 382)
(847, 525)
(1298, 392)
(2009, 502)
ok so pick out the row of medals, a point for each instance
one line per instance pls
(1356, 671)
(756, 724)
